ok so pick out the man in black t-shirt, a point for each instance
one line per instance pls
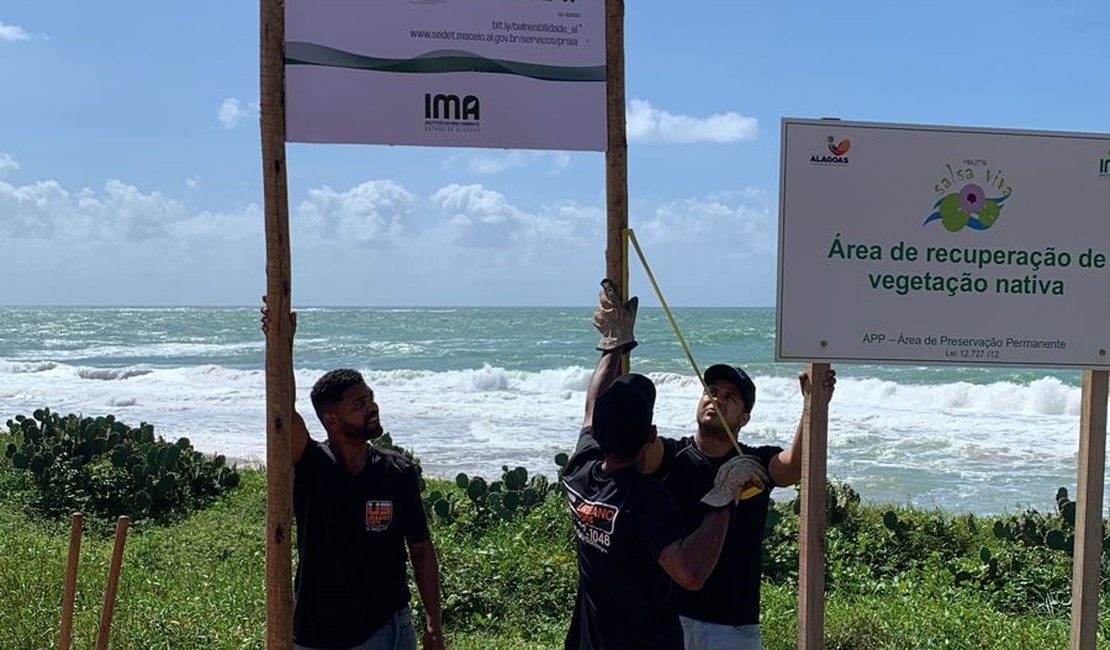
(359, 521)
(631, 539)
(725, 613)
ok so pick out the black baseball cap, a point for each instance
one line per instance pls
(736, 376)
(623, 414)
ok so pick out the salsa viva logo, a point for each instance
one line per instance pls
(965, 202)
(838, 150)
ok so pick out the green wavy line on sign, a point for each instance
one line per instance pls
(298, 53)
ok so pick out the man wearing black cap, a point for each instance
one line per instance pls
(631, 538)
(725, 613)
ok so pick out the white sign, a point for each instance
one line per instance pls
(932, 245)
(496, 73)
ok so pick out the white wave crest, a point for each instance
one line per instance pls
(25, 367)
(111, 374)
(1044, 396)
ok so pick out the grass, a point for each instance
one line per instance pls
(199, 584)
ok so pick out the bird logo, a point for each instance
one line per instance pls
(841, 148)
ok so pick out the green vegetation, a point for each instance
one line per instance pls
(897, 578)
(106, 469)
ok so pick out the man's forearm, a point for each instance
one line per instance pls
(789, 469)
(702, 548)
(425, 568)
(608, 368)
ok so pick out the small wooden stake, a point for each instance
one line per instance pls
(113, 583)
(76, 526)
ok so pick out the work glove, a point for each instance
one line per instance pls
(734, 478)
(615, 319)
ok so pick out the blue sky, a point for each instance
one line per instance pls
(130, 169)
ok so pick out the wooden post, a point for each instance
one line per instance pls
(113, 583)
(811, 536)
(279, 340)
(616, 152)
(65, 633)
(1088, 511)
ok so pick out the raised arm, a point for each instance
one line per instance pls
(298, 435)
(615, 320)
(786, 467)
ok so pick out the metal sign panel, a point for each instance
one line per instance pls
(935, 245)
(497, 73)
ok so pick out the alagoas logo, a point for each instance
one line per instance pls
(970, 205)
(379, 514)
(840, 148)
(839, 151)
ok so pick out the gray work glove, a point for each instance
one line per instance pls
(735, 476)
(615, 319)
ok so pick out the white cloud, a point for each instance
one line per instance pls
(488, 164)
(8, 163)
(233, 112)
(374, 243)
(722, 221)
(649, 124)
(560, 160)
(372, 214)
(192, 182)
(13, 33)
(494, 164)
(119, 244)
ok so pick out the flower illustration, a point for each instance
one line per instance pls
(968, 208)
(971, 198)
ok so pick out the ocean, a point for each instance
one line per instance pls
(473, 389)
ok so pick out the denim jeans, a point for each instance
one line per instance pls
(396, 634)
(700, 635)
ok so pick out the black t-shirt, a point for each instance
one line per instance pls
(622, 522)
(351, 533)
(731, 594)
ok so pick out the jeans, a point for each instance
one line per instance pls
(700, 635)
(396, 634)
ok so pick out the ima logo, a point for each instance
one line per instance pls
(379, 514)
(1104, 167)
(452, 107)
(839, 148)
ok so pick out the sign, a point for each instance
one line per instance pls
(934, 245)
(496, 73)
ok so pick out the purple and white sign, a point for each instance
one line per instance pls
(526, 74)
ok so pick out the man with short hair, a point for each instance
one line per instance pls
(725, 612)
(358, 510)
(632, 544)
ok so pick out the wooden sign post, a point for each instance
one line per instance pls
(616, 155)
(279, 339)
(1088, 511)
(811, 534)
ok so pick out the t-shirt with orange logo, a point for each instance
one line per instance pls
(351, 534)
(622, 522)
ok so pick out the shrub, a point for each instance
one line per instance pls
(105, 469)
